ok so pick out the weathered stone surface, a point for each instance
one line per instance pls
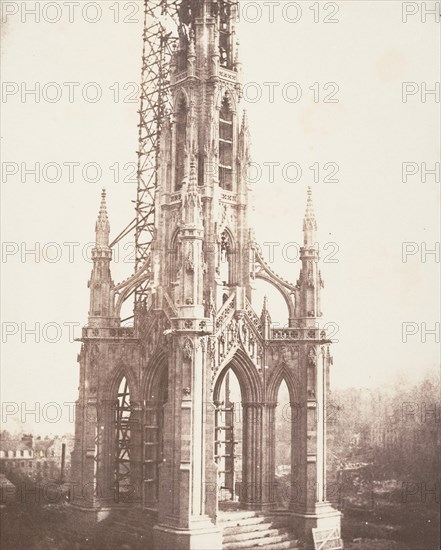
(149, 395)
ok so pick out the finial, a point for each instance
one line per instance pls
(236, 55)
(193, 175)
(309, 213)
(191, 198)
(244, 121)
(102, 227)
(309, 222)
(265, 315)
(191, 52)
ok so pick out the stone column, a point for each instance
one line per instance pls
(151, 440)
(251, 489)
(183, 522)
(310, 508)
(269, 456)
(135, 497)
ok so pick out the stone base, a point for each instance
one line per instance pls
(324, 517)
(202, 537)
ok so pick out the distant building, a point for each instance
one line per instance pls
(17, 454)
(37, 458)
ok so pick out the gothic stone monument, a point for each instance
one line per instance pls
(151, 410)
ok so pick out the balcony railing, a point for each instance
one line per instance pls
(298, 334)
(99, 332)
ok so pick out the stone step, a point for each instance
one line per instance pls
(267, 540)
(288, 544)
(241, 514)
(264, 545)
(246, 530)
(256, 535)
(249, 530)
(254, 520)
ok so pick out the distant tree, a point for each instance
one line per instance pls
(396, 429)
(5, 435)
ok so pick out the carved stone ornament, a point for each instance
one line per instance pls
(188, 349)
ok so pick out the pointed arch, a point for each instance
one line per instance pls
(227, 235)
(121, 371)
(282, 373)
(251, 406)
(123, 438)
(225, 95)
(180, 98)
(247, 376)
(289, 412)
(155, 377)
(155, 395)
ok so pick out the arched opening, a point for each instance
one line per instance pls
(226, 145)
(122, 421)
(153, 438)
(225, 268)
(238, 434)
(181, 139)
(283, 447)
(284, 438)
(228, 439)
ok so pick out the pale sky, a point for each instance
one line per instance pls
(365, 216)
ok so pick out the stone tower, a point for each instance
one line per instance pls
(150, 396)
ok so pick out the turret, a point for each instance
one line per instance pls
(100, 283)
(310, 281)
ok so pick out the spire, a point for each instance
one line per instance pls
(265, 318)
(191, 53)
(193, 180)
(265, 306)
(192, 208)
(244, 126)
(100, 282)
(309, 222)
(237, 63)
(102, 227)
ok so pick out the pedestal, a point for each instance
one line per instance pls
(324, 517)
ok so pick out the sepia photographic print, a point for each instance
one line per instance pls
(220, 275)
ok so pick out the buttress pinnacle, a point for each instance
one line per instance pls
(265, 309)
(309, 221)
(102, 226)
(192, 208)
(244, 125)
